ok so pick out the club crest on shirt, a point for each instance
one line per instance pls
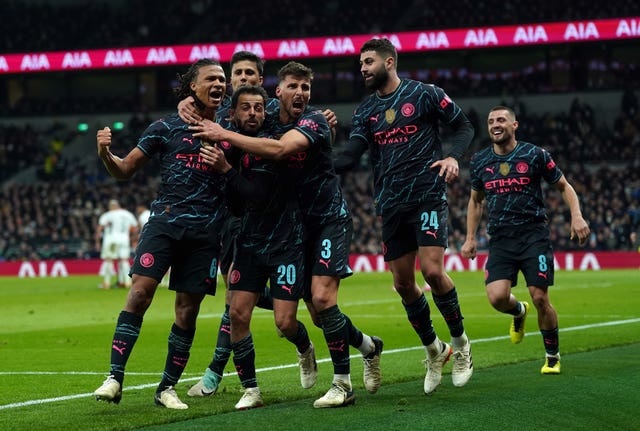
(504, 168)
(390, 115)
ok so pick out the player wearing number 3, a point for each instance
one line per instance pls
(508, 176)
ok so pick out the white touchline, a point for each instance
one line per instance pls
(278, 367)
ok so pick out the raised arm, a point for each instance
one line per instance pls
(118, 168)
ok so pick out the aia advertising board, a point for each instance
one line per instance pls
(570, 261)
(414, 41)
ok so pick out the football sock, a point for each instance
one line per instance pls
(301, 339)
(244, 358)
(516, 311)
(419, 316)
(180, 341)
(336, 334)
(450, 309)
(124, 338)
(223, 349)
(359, 339)
(435, 348)
(551, 341)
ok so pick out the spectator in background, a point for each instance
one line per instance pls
(117, 228)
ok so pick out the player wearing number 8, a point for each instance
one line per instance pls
(508, 175)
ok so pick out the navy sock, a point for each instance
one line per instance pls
(419, 316)
(450, 309)
(124, 338)
(223, 344)
(336, 334)
(244, 358)
(180, 341)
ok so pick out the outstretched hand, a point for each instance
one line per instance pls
(208, 130)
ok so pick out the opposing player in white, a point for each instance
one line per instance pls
(116, 228)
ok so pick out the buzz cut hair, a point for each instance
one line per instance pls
(511, 112)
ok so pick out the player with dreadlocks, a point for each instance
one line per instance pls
(182, 231)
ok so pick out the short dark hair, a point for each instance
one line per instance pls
(249, 56)
(248, 89)
(184, 80)
(504, 108)
(296, 69)
(383, 47)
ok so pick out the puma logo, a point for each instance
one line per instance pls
(374, 118)
(288, 289)
(325, 263)
(119, 349)
(225, 328)
(542, 274)
(489, 170)
(189, 140)
(433, 234)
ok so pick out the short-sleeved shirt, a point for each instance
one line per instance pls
(317, 185)
(401, 132)
(191, 193)
(512, 184)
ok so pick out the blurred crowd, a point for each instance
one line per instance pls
(119, 23)
(56, 216)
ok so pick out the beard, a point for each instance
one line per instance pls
(378, 80)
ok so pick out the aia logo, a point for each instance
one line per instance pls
(407, 109)
(551, 164)
(235, 276)
(146, 260)
(225, 145)
(522, 167)
(245, 160)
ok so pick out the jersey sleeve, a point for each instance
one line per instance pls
(153, 137)
(315, 127)
(550, 171)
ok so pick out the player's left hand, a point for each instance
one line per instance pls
(580, 229)
(448, 168)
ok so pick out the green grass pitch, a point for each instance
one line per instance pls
(56, 332)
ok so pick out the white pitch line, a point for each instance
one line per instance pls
(277, 367)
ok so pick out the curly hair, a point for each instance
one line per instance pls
(185, 79)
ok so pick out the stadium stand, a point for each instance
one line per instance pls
(53, 189)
